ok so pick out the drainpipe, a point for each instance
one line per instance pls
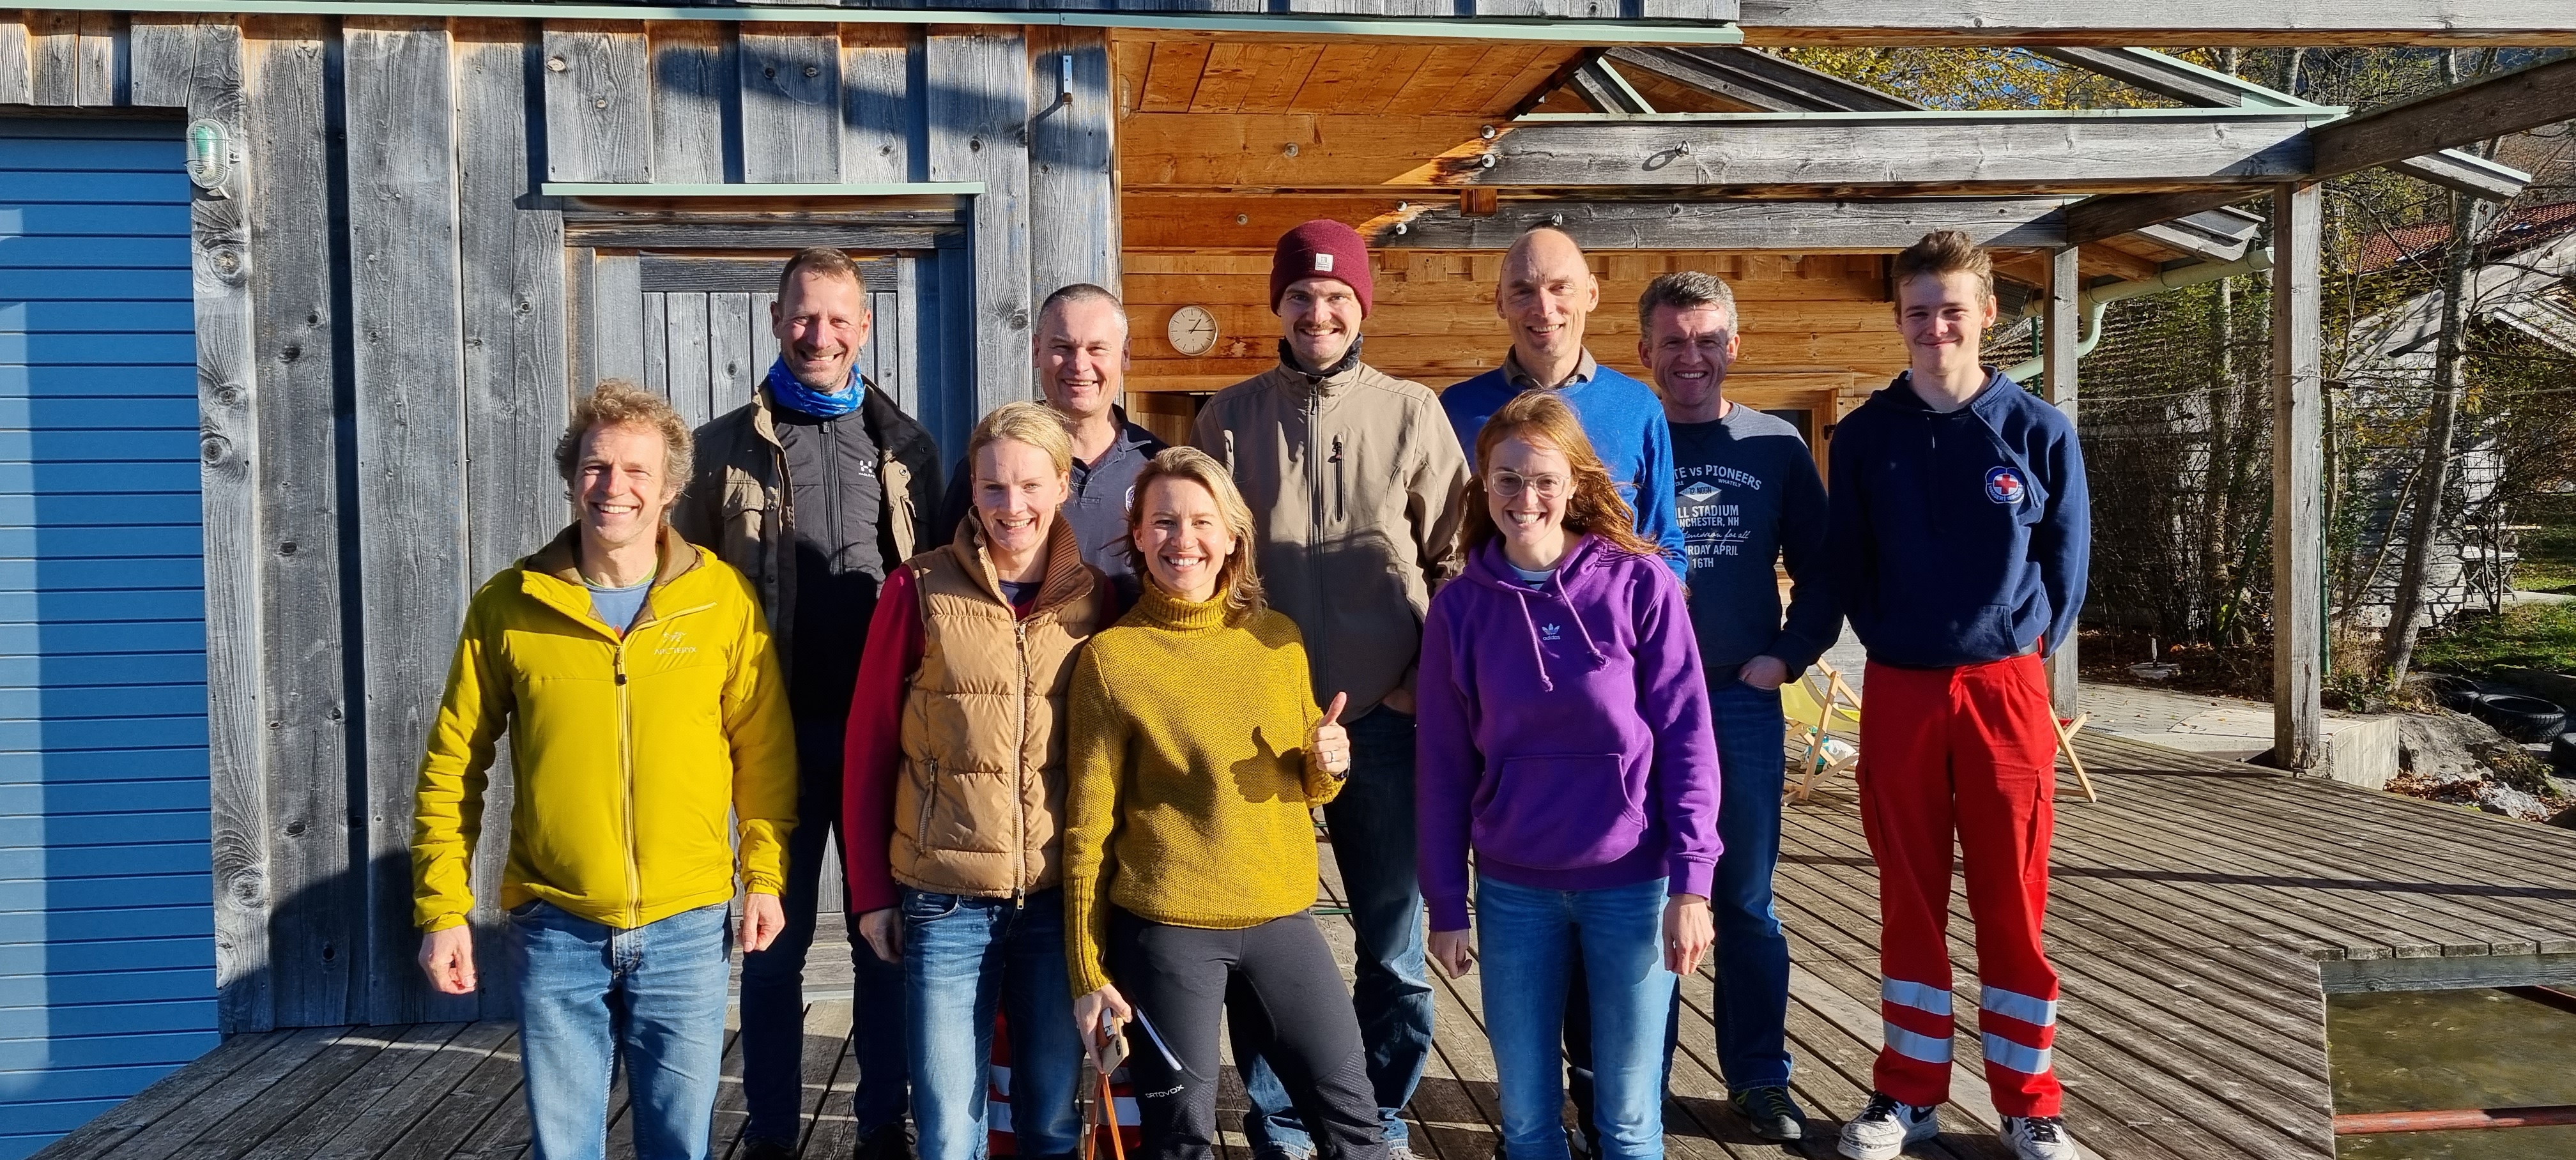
(2093, 302)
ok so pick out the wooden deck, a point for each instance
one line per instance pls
(2201, 912)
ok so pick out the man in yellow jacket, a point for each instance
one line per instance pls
(649, 731)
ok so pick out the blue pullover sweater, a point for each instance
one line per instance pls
(1625, 422)
(1959, 537)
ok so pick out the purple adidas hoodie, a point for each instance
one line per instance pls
(1564, 731)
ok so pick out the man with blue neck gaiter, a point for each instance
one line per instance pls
(812, 489)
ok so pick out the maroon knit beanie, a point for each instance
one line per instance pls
(1321, 248)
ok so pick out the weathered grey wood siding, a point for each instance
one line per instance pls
(392, 321)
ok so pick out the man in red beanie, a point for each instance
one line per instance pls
(1356, 480)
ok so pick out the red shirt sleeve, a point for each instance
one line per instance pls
(872, 754)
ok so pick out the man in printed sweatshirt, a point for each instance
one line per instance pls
(1958, 540)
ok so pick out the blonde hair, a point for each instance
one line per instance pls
(1035, 424)
(1944, 252)
(620, 403)
(1239, 578)
(1595, 507)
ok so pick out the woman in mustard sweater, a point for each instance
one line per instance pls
(1196, 759)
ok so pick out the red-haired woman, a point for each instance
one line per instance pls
(1565, 739)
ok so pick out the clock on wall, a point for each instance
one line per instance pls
(1192, 331)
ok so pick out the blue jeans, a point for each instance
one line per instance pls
(962, 958)
(1528, 940)
(590, 994)
(1373, 843)
(1752, 956)
(773, 980)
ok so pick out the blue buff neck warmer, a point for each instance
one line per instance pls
(797, 396)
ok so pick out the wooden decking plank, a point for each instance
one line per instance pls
(352, 1105)
(835, 1134)
(251, 1081)
(173, 1092)
(2101, 983)
(236, 1134)
(2334, 844)
(393, 1116)
(451, 1126)
(827, 1043)
(2395, 920)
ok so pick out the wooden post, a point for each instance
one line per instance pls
(2298, 551)
(979, 131)
(2065, 282)
(1075, 237)
(198, 63)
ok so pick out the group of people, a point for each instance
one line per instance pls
(1071, 718)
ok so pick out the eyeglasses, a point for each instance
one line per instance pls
(1509, 484)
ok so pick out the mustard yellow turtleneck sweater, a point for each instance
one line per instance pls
(1188, 794)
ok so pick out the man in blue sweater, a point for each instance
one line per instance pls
(1546, 293)
(1750, 500)
(1958, 540)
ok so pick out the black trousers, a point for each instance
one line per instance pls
(1288, 1003)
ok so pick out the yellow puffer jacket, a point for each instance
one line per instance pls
(629, 752)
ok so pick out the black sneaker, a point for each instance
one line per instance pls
(754, 1148)
(891, 1142)
(1775, 1116)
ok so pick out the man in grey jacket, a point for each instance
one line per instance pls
(1357, 484)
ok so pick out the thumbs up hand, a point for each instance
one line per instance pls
(1331, 743)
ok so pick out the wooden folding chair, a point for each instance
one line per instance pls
(2066, 730)
(1815, 704)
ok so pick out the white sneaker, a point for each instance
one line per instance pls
(2038, 1138)
(1886, 1126)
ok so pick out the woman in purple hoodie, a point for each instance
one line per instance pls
(1564, 737)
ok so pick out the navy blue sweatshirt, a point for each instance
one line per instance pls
(1958, 537)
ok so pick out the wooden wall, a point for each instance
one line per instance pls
(391, 320)
(1814, 326)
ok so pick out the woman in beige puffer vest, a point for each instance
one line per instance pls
(955, 793)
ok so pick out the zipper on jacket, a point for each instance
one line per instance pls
(1019, 793)
(929, 794)
(1319, 654)
(1341, 485)
(626, 766)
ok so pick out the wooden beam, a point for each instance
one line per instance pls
(2491, 106)
(978, 115)
(1075, 237)
(2191, 84)
(1289, 150)
(1606, 90)
(2298, 544)
(2058, 354)
(2179, 22)
(2096, 218)
(1759, 80)
(1792, 226)
(2057, 150)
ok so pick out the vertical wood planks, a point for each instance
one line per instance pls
(791, 103)
(53, 57)
(733, 355)
(696, 91)
(880, 121)
(684, 339)
(303, 698)
(657, 366)
(907, 328)
(598, 102)
(99, 73)
(228, 447)
(411, 453)
(2298, 450)
(616, 316)
(2065, 283)
(15, 86)
(516, 398)
(978, 114)
(1073, 234)
(158, 46)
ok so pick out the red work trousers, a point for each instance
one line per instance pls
(1969, 751)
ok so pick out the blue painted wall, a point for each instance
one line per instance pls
(107, 949)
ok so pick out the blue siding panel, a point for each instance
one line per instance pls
(106, 908)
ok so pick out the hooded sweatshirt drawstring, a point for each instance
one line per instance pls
(1546, 683)
(1599, 658)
